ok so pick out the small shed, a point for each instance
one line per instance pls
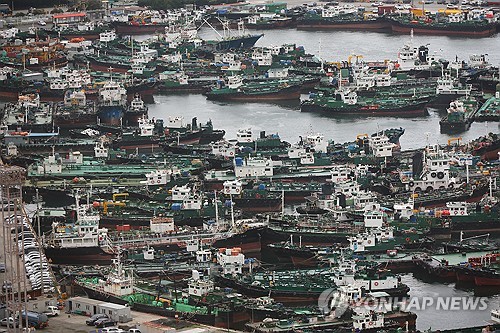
(117, 312)
(82, 306)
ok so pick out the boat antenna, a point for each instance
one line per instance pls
(110, 70)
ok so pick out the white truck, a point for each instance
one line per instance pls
(52, 311)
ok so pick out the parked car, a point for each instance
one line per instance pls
(112, 330)
(52, 311)
(104, 322)
(91, 321)
(7, 286)
(11, 322)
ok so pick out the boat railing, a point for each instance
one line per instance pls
(153, 239)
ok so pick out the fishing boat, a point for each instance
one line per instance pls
(230, 40)
(256, 199)
(480, 271)
(199, 302)
(490, 110)
(304, 286)
(111, 104)
(135, 111)
(449, 88)
(255, 91)
(79, 240)
(265, 21)
(341, 18)
(36, 55)
(345, 101)
(460, 115)
(29, 113)
(452, 25)
(75, 111)
(180, 82)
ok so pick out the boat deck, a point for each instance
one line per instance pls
(490, 111)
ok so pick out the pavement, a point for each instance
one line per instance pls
(76, 323)
(65, 323)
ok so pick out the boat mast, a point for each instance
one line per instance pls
(216, 209)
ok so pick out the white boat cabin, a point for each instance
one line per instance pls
(366, 241)
(318, 142)
(192, 201)
(223, 148)
(457, 208)
(307, 158)
(100, 151)
(107, 36)
(198, 287)
(204, 256)
(495, 315)
(175, 122)
(232, 187)
(296, 151)
(244, 135)
(179, 193)
(253, 167)
(367, 321)
(374, 219)
(404, 211)
(158, 177)
(234, 82)
(340, 173)
(146, 126)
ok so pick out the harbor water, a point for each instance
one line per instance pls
(290, 123)
(442, 319)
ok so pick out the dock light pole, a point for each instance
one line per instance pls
(282, 202)
(232, 211)
(216, 209)
(40, 246)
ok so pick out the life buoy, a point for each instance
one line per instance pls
(311, 160)
(158, 181)
(100, 238)
(237, 190)
(440, 175)
(451, 185)
(473, 187)
(370, 323)
(194, 291)
(411, 184)
(462, 212)
(375, 283)
(231, 154)
(433, 175)
(369, 242)
(407, 239)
